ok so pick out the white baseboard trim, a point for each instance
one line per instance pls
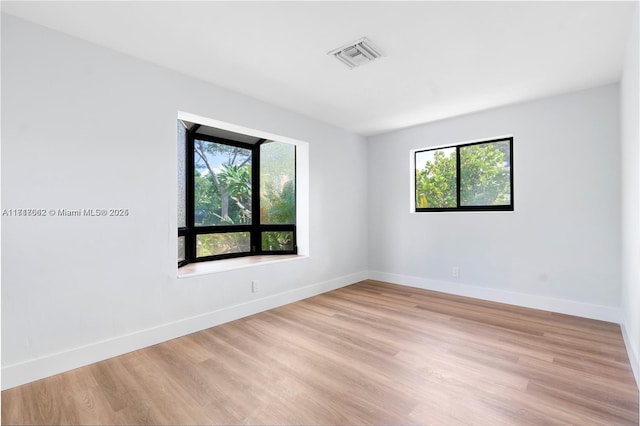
(634, 357)
(49, 365)
(563, 306)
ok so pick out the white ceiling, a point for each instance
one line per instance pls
(441, 58)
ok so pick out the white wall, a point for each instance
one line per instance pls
(86, 127)
(559, 250)
(630, 125)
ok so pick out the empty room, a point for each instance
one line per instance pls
(325, 213)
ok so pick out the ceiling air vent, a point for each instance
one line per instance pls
(356, 53)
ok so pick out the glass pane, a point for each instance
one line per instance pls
(181, 252)
(277, 183)
(182, 175)
(223, 243)
(436, 178)
(277, 241)
(485, 174)
(222, 184)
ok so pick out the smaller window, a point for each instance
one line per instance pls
(471, 177)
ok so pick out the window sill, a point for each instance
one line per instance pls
(215, 266)
(461, 211)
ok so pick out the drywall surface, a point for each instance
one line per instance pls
(561, 245)
(630, 143)
(88, 128)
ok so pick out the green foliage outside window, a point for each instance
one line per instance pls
(222, 184)
(222, 243)
(484, 179)
(436, 180)
(277, 183)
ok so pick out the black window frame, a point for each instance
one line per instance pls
(459, 208)
(255, 229)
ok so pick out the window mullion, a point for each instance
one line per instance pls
(256, 241)
(190, 239)
(458, 180)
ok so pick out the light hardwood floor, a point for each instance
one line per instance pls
(368, 353)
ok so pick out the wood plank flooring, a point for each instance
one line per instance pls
(372, 353)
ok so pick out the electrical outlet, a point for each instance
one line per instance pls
(455, 272)
(255, 286)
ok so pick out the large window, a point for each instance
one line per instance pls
(237, 195)
(471, 177)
